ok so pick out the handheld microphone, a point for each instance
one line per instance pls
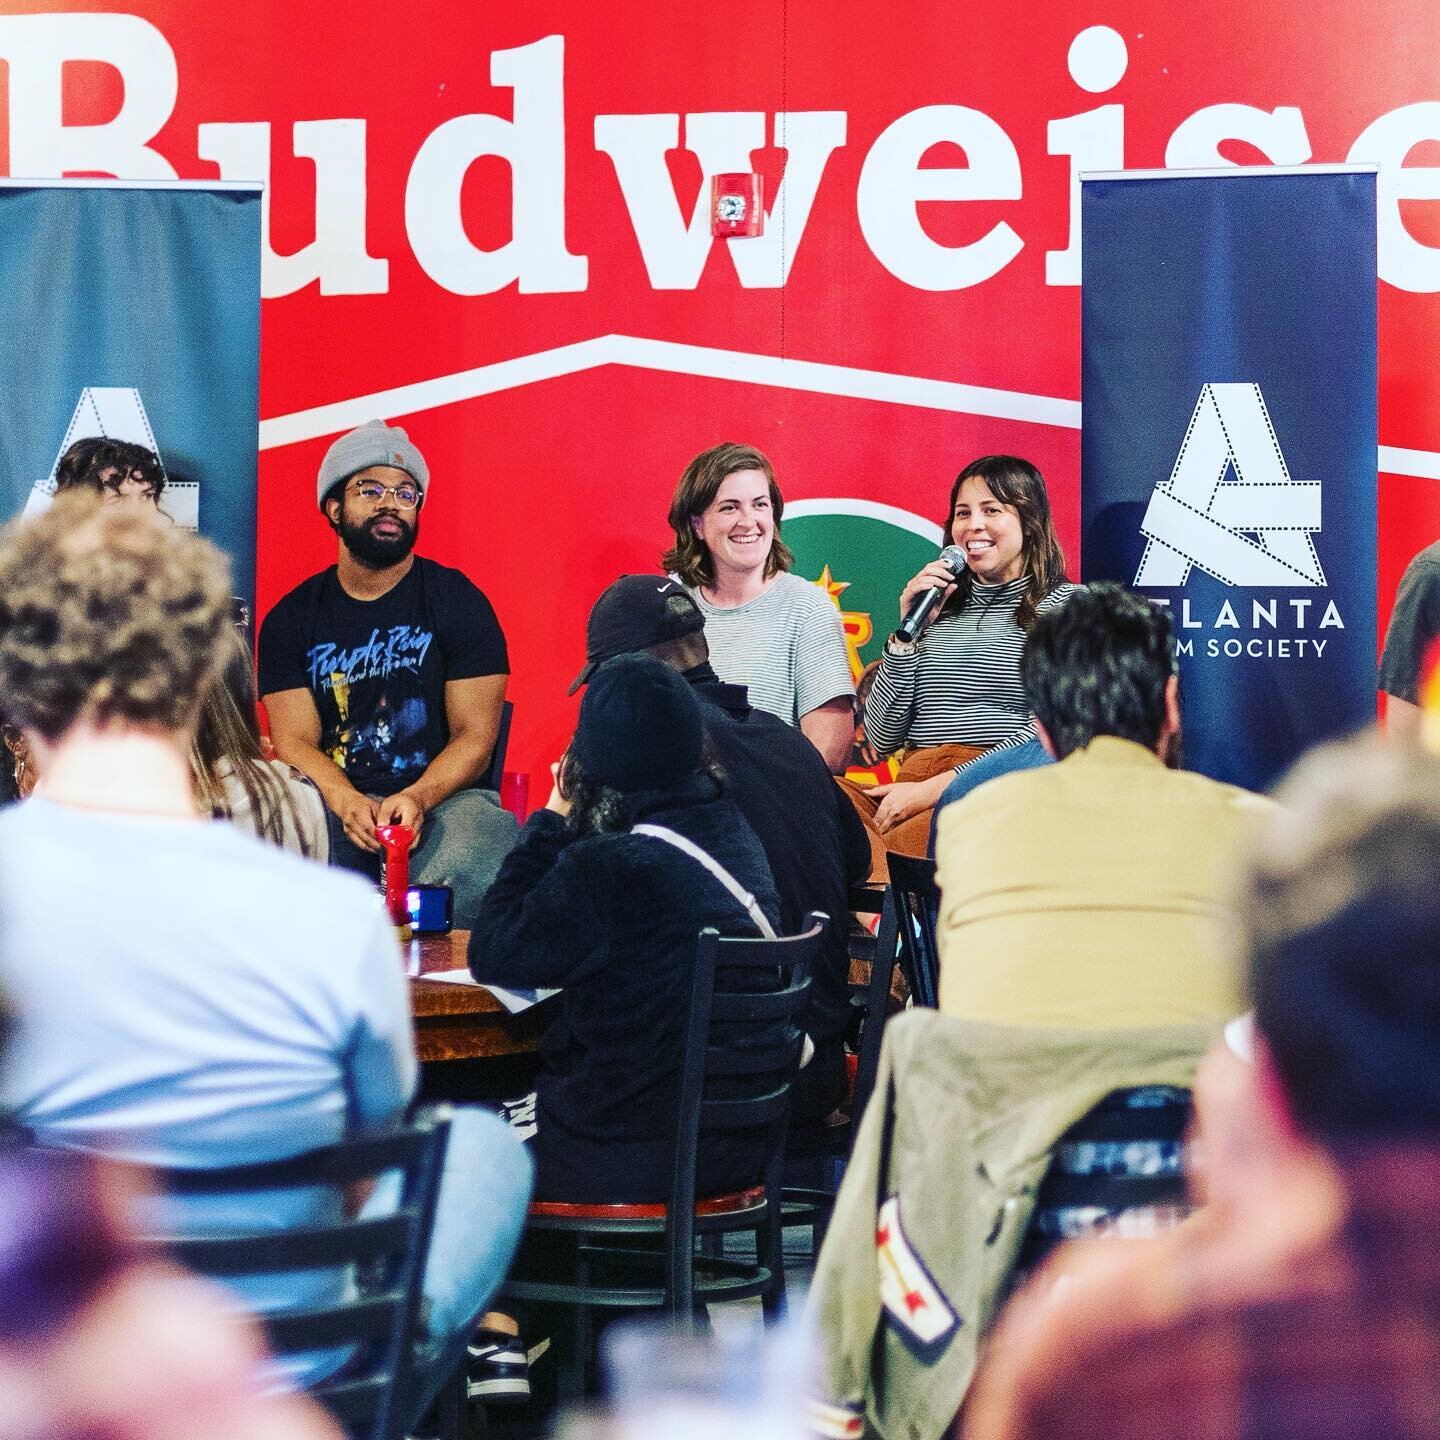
(953, 558)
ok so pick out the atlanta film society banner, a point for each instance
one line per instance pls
(504, 247)
(132, 311)
(1229, 448)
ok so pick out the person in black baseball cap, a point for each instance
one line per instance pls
(641, 612)
(811, 835)
(609, 913)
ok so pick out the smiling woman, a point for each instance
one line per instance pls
(767, 629)
(956, 692)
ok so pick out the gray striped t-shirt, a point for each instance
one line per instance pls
(961, 684)
(787, 646)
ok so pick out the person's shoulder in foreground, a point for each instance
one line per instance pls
(1125, 1339)
(1303, 1301)
(100, 1336)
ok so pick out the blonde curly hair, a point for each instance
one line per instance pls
(107, 615)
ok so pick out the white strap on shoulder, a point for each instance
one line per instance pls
(703, 857)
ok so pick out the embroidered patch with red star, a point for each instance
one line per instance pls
(910, 1296)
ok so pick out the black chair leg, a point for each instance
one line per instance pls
(575, 1377)
(451, 1403)
(770, 1246)
(818, 1227)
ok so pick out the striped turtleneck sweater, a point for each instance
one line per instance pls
(961, 683)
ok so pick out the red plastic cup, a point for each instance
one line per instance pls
(515, 793)
(395, 870)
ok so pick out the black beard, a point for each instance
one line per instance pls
(373, 552)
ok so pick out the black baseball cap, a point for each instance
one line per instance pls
(636, 612)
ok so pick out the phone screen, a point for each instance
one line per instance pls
(431, 909)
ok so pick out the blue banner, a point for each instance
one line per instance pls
(132, 311)
(1229, 444)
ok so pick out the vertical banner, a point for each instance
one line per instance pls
(132, 312)
(1229, 445)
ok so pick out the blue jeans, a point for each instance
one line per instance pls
(462, 843)
(479, 1218)
(985, 767)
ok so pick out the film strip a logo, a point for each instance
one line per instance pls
(1254, 529)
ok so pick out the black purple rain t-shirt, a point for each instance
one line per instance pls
(377, 668)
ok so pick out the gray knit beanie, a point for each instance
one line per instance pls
(374, 443)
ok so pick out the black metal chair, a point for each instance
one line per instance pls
(757, 984)
(917, 903)
(808, 1197)
(495, 770)
(811, 1204)
(375, 1319)
(877, 1001)
(1119, 1171)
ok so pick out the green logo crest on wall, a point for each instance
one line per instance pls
(861, 553)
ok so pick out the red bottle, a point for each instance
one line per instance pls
(395, 873)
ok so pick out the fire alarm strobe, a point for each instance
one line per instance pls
(737, 206)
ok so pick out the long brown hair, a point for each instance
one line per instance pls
(688, 557)
(228, 740)
(1013, 481)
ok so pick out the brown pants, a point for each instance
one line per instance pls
(912, 836)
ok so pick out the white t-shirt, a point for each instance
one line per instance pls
(786, 646)
(188, 996)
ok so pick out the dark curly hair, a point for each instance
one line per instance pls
(597, 809)
(86, 464)
(107, 615)
(1100, 664)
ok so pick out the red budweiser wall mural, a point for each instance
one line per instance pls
(492, 225)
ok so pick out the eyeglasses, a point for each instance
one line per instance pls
(407, 497)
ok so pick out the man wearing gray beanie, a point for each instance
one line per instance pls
(384, 678)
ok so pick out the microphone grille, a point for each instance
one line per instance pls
(953, 558)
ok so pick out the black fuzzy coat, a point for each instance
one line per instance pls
(613, 920)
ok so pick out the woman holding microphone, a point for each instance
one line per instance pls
(954, 691)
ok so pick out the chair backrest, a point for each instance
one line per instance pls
(495, 770)
(1118, 1171)
(877, 1004)
(374, 1318)
(917, 902)
(742, 1051)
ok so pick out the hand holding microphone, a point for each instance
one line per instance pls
(924, 595)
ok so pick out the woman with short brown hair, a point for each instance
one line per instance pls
(767, 629)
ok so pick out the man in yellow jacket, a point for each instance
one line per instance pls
(1085, 893)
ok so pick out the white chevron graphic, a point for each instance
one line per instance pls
(706, 362)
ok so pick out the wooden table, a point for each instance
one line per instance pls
(463, 1022)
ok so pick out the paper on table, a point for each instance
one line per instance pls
(456, 977)
(517, 1000)
(513, 1000)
